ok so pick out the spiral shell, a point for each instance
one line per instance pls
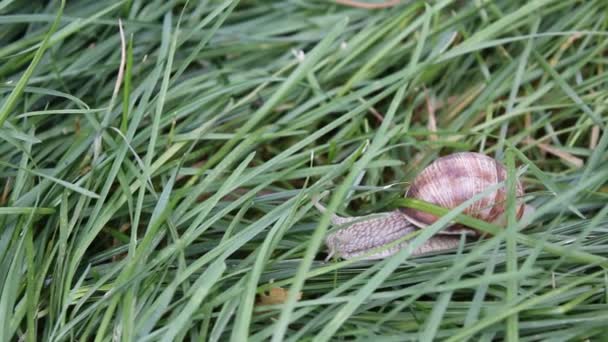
(455, 178)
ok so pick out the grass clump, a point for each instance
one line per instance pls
(157, 172)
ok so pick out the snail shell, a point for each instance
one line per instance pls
(453, 179)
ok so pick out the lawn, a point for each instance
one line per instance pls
(160, 159)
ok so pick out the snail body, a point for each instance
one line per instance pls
(447, 182)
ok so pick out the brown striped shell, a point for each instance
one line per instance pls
(455, 178)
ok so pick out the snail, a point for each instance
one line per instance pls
(447, 182)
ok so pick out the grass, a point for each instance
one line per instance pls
(155, 183)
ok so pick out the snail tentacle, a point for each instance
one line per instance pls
(335, 219)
